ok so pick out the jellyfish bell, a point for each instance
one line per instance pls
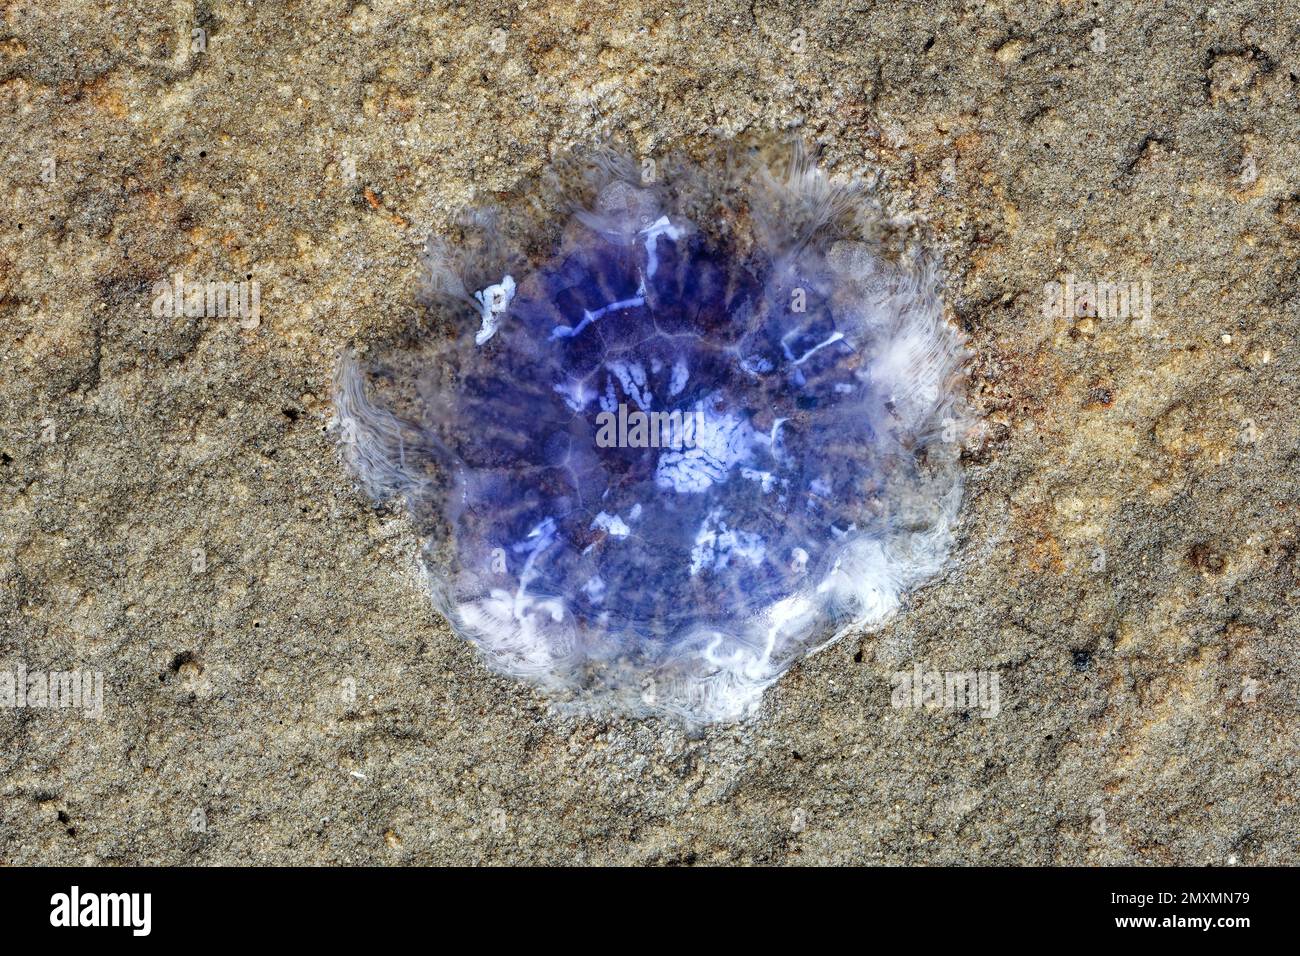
(661, 441)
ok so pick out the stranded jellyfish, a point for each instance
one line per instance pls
(665, 430)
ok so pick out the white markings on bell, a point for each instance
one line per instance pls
(588, 317)
(615, 526)
(722, 442)
(651, 234)
(493, 303)
(577, 394)
(716, 545)
(631, 375)
(835, 337)
(681, 373)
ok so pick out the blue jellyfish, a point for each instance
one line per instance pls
(662, 436)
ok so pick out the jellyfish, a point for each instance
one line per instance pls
(663, 430)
